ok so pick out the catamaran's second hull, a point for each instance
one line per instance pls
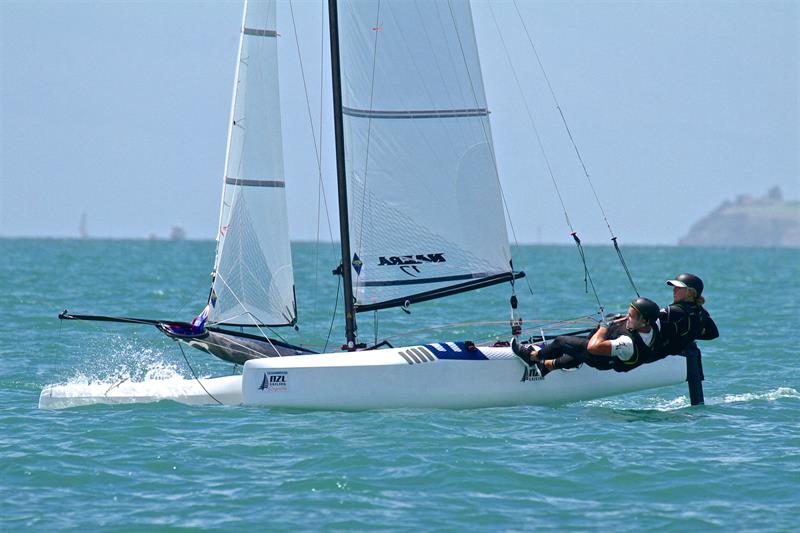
(225, 390)
(231, 346)
(442, 375)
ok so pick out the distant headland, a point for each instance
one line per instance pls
(769, 221)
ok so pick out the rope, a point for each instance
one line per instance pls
(322, 200)
(335, 309)
(625, 266)
(305, 89)
(535, 324)
(253, 316)
(587, 279)
(238, 344)
(574, 146)
(195, 375)
(376, 30)
(317, 145)
(486, 133)
(533, 123)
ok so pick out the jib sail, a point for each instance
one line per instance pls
(253, 276)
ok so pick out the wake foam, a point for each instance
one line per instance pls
(133, 375)
(770, 396)
(651, 404)
(680, 402)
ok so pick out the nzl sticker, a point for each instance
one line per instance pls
(531, 375)
(275, 382)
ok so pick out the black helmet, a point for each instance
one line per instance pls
(687, 280)
(647, 308)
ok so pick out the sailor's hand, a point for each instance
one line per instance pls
(610, 321)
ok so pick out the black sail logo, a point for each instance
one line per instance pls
(414, 259)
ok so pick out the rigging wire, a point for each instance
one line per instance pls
(486, 133)
(574, 146)
(547, 325)
(375, 325)
(376, 30)
(587, 279)
(335, 309)
(305, 89)
(317, 145)
(584, 321)
(257, 326)
(322, 200)
(320, 184)
(195, 375)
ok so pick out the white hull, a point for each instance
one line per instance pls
(228, 390)
(385, 379)
(453, 378)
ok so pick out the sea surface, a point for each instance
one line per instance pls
(646, 461)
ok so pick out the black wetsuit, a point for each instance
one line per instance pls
(681, 324)
(570, 352)
(567, 351)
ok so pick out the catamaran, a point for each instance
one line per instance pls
(420, 213)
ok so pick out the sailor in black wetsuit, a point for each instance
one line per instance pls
(620, 345)
(685, 320)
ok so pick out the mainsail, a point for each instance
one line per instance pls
(253, 277)
(426, 214)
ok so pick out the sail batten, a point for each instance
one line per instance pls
(417, 281)
(419, 113)
(254, 183)
(259, 33)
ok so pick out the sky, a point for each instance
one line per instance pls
(120, 110)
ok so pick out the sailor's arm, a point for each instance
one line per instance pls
(599, 344)
(709, 331)
(674, 321)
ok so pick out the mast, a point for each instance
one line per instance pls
(344, 225)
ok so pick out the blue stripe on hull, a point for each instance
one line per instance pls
(444, 350)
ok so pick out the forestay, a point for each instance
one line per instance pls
(425, 204)
(253, 278)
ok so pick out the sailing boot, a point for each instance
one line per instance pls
(542, 368)
(526, 353)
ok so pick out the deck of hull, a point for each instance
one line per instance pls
(386, 379)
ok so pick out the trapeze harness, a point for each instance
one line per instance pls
(643, 352)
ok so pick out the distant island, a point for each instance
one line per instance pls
(769, 221)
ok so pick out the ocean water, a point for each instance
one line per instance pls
(636, 462)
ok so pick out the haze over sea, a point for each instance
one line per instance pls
(637, 462)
